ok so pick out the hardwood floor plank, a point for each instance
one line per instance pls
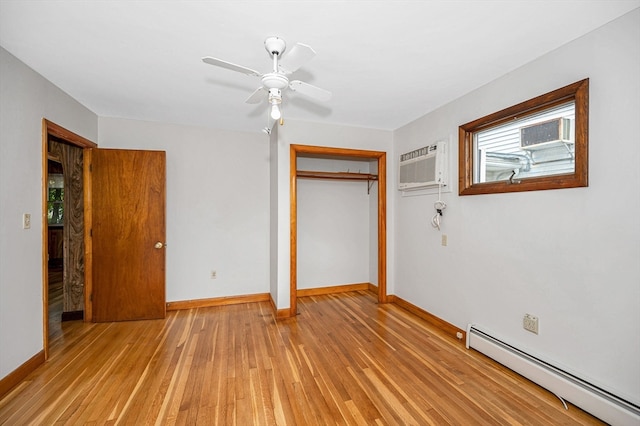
(343, 360)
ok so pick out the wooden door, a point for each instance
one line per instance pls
(125, 221)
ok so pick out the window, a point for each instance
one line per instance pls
(55, 203)
(539, 144)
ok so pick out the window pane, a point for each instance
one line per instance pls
(540, 144)
(55, 209)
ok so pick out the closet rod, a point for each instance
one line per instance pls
(308, 174)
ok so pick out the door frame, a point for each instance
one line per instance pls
(51, 129)
(381, 157)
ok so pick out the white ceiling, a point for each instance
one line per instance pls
(386, 62)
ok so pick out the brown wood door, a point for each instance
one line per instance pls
(125, 262)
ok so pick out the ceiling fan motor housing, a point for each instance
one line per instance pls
(275, 81)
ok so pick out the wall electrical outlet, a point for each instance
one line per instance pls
(530, 323)
(445, 239)
(214, 275)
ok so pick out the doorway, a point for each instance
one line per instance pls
(380, 158)
(55, 245)
(54, 234)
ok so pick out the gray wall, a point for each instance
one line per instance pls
(217, 205)
(570, 256)
(25, 99)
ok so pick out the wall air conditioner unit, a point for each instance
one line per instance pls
(547, 134)
(424, 167)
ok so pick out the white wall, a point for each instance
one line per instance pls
(217, 205)
(25, 99)
(274, 222)
(570, 256)
(373, 222)
(333, 236)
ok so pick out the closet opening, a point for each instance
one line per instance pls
(364, 176)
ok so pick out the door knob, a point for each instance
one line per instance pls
(159, 245)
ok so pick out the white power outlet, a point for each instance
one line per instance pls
(214, 275)
(444, 239)
(530, 323)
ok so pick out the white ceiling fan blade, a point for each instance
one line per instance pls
(310, 90)
(258, 96)
(228, 65)
(299, 55)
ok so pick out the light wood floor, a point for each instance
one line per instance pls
(343, 360)
(55, 301)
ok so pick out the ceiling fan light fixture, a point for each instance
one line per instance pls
(275, 112)
(275, 98)
(277, 81)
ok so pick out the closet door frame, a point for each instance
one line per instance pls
(343, 153)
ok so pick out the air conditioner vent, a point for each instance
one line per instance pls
(424, 167)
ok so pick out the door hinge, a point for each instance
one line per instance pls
(91, 167)
(91, 297)
(91, 232)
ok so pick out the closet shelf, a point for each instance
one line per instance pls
(308, 174)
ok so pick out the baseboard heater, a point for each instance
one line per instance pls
(591, 398)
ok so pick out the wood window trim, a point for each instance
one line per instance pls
(579, 92)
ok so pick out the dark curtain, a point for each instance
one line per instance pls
(73, 219)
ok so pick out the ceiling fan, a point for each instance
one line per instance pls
(274, 82)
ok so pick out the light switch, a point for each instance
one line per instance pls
(26, 221)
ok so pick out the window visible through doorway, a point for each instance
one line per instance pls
(55, 204)
(55, 194)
